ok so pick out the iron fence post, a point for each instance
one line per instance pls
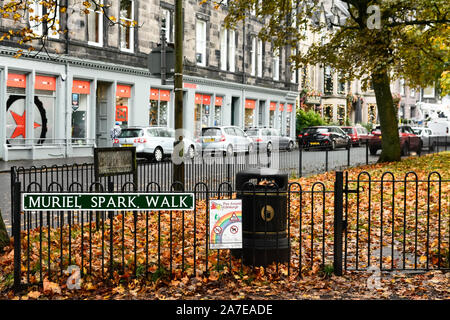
(16, 234)
(348, 154)
(300, 159)
(326, 160)
(13, 180)
(338, 225)
(367, 151)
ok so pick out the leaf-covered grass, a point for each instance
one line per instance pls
(141, 261)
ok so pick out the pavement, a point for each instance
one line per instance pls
(5, 166)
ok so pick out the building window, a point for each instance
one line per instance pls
(402, 87)
(80, 107)
(372, 113)
(159, 102)
(294, 70)
(201, 43)
(428, 92)
(123, 95)
(249, 113)
(276, 64)
(232, 50)
(95, 25)
(126, 27)
(223, 49)
(261, 110)
(328, 80)
(168, 26)
(35, 17)
(340, 85)
(253, 57)
(202, 112)
(218, 111)
(328, 112)
(412, 93)
(259, 59)
(280, 116)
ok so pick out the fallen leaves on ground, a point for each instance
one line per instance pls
(389, 224)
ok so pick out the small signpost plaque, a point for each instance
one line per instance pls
(115, 161)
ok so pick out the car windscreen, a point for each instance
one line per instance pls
(211, 132)
(316, 130)
(251, 132)
(417, 131)
(348, 130)
(130, 133)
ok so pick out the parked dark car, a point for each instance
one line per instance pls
(266, 138)
(328, 137)
(409, 141)
(357, 134)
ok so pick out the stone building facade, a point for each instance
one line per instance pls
(62, 104)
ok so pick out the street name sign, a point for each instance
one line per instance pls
(107, 201)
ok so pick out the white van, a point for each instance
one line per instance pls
(440, 127)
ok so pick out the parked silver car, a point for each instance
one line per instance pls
(427, 136)
(266, 138)
(153, 142)
(225, 139)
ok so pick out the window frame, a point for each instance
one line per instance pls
(131, 29)
(202, 42)
(100, 27)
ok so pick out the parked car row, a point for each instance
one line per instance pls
(155, 143)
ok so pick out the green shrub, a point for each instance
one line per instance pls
(307, 119)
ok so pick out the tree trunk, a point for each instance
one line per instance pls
(388, 118)
(4, 238)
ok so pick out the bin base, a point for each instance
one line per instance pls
(260, 252)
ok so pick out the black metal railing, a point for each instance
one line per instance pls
(393, 224)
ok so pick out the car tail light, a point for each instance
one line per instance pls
(258, 140)
(222, 138)
(325, 134)
(140, 140)
(116, 140)
(300, 135)
(306, 134)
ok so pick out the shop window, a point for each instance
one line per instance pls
(280, 117)
(80, 107)
(159, 102)
(123, 95)
(288, 119)
(126, 27)
(272, 109)
(202, 112)
(43, 112)
(249, 113)
(15, 112)
(261, 108)
(218, 111)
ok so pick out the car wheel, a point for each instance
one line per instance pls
(432, 146)
(373, 151)
(229, 151)
(419, 150)
(158, 154)
(290, 146)
(332, 145)
(269, 147)
(191, 152)
(405, 150)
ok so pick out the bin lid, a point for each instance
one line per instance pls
(249, 179)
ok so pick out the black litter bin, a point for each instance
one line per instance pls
(264, 216)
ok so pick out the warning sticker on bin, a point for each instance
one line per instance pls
(225, 224)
